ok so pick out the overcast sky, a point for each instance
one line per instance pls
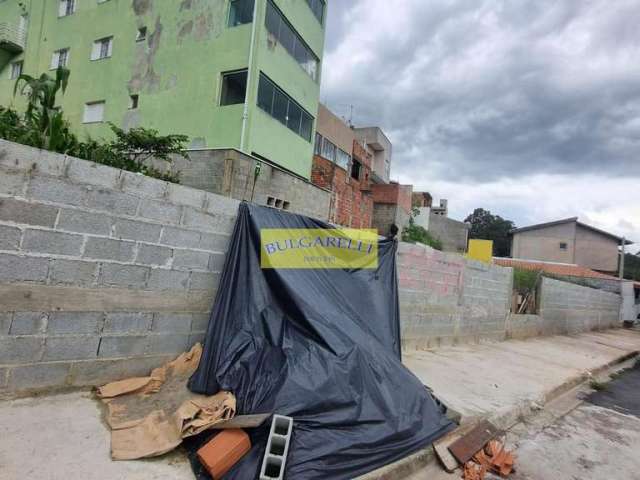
(530, 109)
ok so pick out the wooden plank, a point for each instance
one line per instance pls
(468, 445)
(243, 421)
(46, 298)
(441, 447)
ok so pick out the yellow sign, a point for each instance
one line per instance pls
(318, 248)
(481, 250)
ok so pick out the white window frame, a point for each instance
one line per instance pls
(88, 117)
(97, 49)
(57, 54)
(64, 10)
(19, 65)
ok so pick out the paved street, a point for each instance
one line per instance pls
(581, 435)
(590, 443)
(599, 440)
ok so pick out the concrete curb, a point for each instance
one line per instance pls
(505, 420)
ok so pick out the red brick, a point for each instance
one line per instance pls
(393, 194)
(224, 451)
(352, 204)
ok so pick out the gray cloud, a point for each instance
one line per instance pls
(483, 90)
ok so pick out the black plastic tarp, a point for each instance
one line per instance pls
(321, 346)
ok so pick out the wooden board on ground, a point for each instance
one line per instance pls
(468, 445)
(441, 447)
(243, 421)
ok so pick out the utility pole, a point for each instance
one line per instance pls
(622, 253)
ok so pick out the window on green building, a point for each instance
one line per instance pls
(241, 12)
(283, 108)
(66, 7)
(133, 101)
(285, 34)
(317, 7)
(102, 48)
(16, 70)
(317, 147)
(141, 35)
(234, 88)
(93, 112)
(60, 58)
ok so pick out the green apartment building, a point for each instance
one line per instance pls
(203, 68)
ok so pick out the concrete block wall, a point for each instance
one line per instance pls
(104, 274)
(231, 173)
(446, 299)
(486, 301)
(567, 308)
(386, 214)
(452, 233)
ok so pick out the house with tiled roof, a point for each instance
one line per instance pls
(568, 241)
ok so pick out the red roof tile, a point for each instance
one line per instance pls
(566, 269)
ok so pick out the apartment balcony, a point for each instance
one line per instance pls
(12, 38)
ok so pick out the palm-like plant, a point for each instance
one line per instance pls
(51, 130)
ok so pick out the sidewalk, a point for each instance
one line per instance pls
(63, 436)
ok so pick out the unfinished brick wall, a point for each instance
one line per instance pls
(352, 204)
(393, 193)
(104, 273)
(392, 205)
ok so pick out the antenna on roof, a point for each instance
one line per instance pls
(348, 121)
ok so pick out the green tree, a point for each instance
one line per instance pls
(486, 226)
(44, 121)
(43, 126)
(632, 266)
(416, 234)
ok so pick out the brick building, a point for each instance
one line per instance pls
(422, 199)
(343, 165)
(392, 205)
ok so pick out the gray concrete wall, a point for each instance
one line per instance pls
(544, 244)
(446, 299)
(381, 147)
(452, 233)
(567, 308)
(384, 214)
(596, 251)
(231, 173)
(104, 274)
(609, 285)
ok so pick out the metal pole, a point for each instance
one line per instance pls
(622, 253)
(245, 111)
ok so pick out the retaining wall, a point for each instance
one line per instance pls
(446, 299)
(104, 273)
(567, 308)
(231, 173)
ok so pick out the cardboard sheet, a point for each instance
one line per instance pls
(150, 416)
